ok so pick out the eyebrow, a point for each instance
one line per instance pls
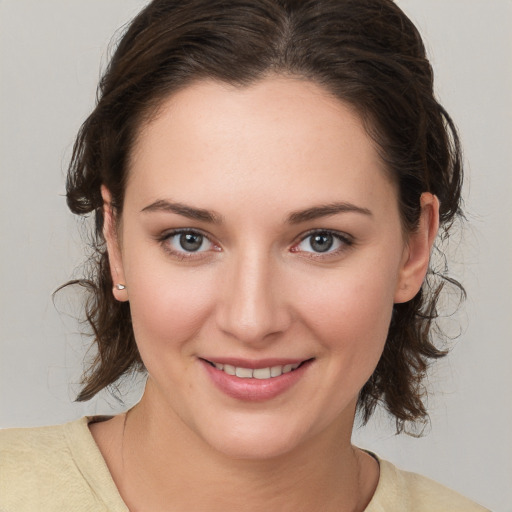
(201, 214)
(326, 210)
(184, 210)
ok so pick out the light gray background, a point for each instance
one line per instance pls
(50, 55)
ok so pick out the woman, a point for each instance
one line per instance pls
(268, 179)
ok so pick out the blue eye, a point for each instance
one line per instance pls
(322, 242)
(188, 242)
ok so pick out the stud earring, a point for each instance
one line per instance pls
(120, 286)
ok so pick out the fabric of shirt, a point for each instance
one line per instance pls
(61, 469)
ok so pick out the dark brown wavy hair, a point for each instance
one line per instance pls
(365, 52)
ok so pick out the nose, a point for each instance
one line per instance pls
(253, 308)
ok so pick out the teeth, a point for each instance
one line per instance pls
(275, 371)
(261, 373)
(243, 373)
(258, 373)
(230, 370)
(287, 368)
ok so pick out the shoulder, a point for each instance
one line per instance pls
(32, 462)
(26, 442)
(35, 449)
(400, 490)
(51, 468)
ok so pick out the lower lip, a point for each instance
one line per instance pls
(254, 390)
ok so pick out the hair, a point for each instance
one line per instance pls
(365, 52)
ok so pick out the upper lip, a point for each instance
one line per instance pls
(254, 363)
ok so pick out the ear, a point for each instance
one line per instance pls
(119, 288)
(416, 255)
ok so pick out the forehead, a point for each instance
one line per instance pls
(280, 137)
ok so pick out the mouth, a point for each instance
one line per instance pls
(265, 373)
(255, 380)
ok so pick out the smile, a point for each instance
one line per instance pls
(255, 380)
(256, 373)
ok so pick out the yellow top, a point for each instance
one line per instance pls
(60, 469)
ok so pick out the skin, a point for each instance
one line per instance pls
(253, 157)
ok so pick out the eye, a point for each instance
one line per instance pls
(183, 242)
(323, 242)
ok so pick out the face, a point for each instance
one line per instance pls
(262, 252)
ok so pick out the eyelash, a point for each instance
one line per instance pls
(167, 237)
(345, 240)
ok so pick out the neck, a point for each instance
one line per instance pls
(163, 465)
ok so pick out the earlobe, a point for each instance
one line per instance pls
(114, 252)
(417, 252)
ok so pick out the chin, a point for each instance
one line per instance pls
(243, 447)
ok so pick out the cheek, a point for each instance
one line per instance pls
(168, 307)
(350, 313)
